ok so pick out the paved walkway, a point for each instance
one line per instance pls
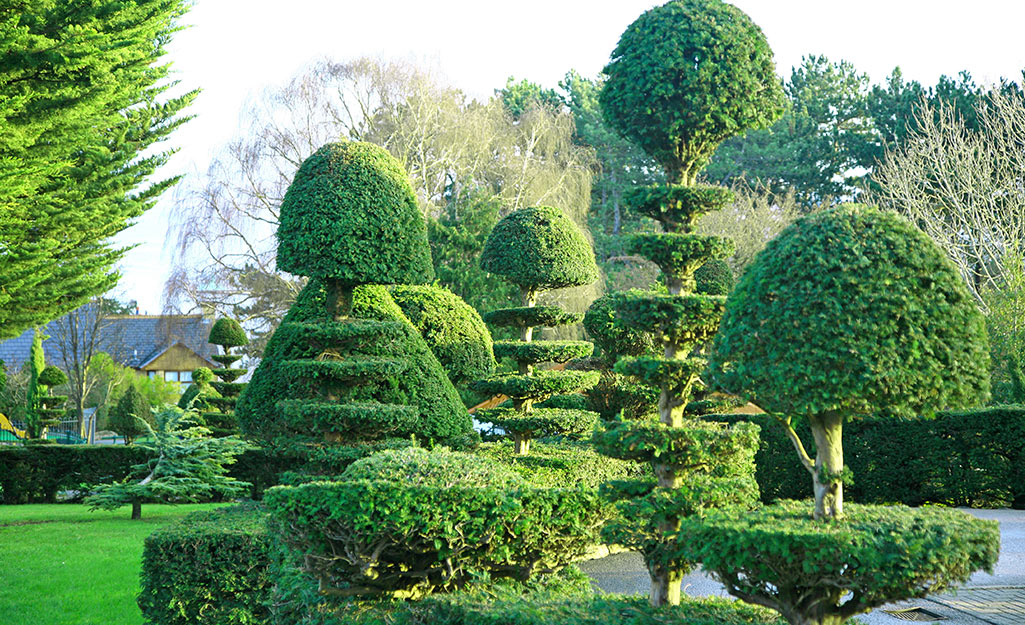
(987, 599)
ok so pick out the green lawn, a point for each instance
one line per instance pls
(63, 565)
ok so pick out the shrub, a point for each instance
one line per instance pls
(829, 572)
(210, 567)
(714, 278)
(350, 215)
(227, 333)
(130, 414)
(415, 466)
(452, 329)
(554, 465)
(220, 413)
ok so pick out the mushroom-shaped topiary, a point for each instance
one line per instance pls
(849, 312)
(227, 332)
(350, 217)
(687, 75)
(52, 376)
(220, 417)
(538, 249)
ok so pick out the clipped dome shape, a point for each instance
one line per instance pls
(350, 215)
(227, 333)
(714, 278)
(539, 248)
(52, 376)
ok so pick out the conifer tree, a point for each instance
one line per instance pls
(228, 334)
(538, 249)
(683, 77)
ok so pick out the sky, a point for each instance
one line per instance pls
(235, 49)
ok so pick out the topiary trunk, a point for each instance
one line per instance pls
(827, 475)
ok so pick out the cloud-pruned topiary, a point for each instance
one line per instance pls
(219, 413)
(849, 312)
(452, 329)
(350, 215)
(539, 248)
(440, 467)
(714, 278)
(687, 75)
(227, 332)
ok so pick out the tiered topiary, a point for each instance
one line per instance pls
(849, 312)
(538, 249)
(346, 373)
(51, 407)
(684, 76)
(228, 334)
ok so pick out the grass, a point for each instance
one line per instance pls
(61, 564)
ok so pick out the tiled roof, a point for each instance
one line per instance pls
(129, 339)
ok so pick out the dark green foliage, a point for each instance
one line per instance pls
(410, 540)
(613, 337)
(423, 383)
(527, 317)
(875, 555)
(533, 352)
(352, 421)
(37, 474)
(687, 320)
(699, 444)
(129, 416)
(83, 108)
(452, 329)
(540, 421)
(616, 395)
(677, 207)
(350, 215)
(441, 468)
(676, 376)
(686, 75)
(227, 332)
(539, 386)
(350, 372)
(714, 278)
(974, 458)
(52, 376)
(539, 248)
(209, 568)
(680, 255)
(852, 310)
(554, 465)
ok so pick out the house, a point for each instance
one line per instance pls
(167, 346)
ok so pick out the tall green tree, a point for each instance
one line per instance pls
(80, 112)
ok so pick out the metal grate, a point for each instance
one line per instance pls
(915, 614)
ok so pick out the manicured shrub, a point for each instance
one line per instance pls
(408, 540)
(128, 417)
(209, 568)
(415, 466)
(714, 278)
(687, 75)
(452, 329)
(878, 552)
(227, 333)
(538, 249)
(350, 215)
(554, 465)
(220, 406)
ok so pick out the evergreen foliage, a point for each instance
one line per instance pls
(35, 420)
(220, 416)
(685, 76)
(538, 249)
(714, 278)
(81, 109)
(129, 416)
(452, 329)
(227, 332)
(186, 466)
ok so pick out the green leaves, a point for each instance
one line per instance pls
(529, 317)
(540, 421)
(543, 351)
(676, 206)
(539, 386)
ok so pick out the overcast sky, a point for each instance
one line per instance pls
(234, 49)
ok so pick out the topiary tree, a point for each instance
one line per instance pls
(345, 368)
(196, 394)
(538, 249)
(847, 313)
(687, 75)
(51, 407)
(35, 422)
(228, 334)
(684, 76)
(452, 329)
(714, 278)
(130, 414)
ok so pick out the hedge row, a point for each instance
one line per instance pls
(974, 458)
(37, 473)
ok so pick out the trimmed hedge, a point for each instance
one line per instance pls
(554, 465)
(38, 473)
(416, 466)
(974, 458)
(452, 329)
(209, 568)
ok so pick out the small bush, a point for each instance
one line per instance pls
(209, 568)
(554, 465)
(415, 466)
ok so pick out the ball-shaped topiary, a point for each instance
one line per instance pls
(539, 248)
(687, 75)
(350, 215)
(851, 311)
(452, 329)
(52, 376)
(227, 332)
(714, 278)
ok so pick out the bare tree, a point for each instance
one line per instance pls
(451, 145)
(964, 188)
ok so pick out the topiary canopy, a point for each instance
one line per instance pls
(855, 311)
(714, 278)
(350, 215)
(227, 332)
(685, 76)
(52, 376)
(539, 248)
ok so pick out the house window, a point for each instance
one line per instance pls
(186, 376)
(152, 374)
(171, 376)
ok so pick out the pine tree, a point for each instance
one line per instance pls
(79, 116)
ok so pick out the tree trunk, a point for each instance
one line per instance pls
(521, 444)
(665, 587)
(136, 509)
(826, 479)
(339, 300)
